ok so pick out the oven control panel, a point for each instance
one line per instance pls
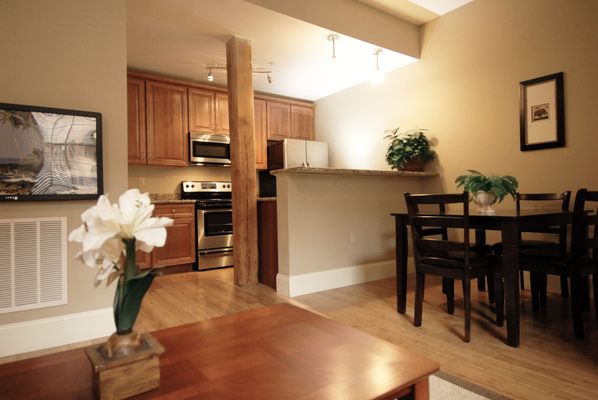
(203, 186)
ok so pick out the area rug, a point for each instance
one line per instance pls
(444, 386)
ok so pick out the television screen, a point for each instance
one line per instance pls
(49, 153)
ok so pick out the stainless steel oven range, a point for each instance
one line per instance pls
(214, 216)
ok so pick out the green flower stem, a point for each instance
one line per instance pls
(131, 269)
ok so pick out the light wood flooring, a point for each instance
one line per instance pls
(549, 364)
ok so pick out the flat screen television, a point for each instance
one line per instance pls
(49, 153)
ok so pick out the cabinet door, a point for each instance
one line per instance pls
(136, 120)
(261, 150)
(302, 122)
(279, 120)
(143, 259)
(166, 107)
(222, 126)
(201, 110)
(180, 246)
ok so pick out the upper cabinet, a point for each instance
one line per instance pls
(221, 102)
(302, 122)
(166, 107)
(161, 113)
(208, 111)
(136, 120)
(260, 135)
(290, 120)
(279, 120)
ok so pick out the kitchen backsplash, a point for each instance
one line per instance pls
(167, 179)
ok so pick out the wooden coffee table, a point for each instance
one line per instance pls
(276, 352)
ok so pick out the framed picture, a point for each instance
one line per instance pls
(542, 113)
(49, 153)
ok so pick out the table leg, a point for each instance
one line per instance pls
(401, 261)
(510, 268)
(421, 390)
(480, 238)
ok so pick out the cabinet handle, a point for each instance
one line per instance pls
(174, 211)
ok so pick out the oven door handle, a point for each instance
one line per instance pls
(215, 251)
(213, 210)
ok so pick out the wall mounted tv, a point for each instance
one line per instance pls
(49, 153)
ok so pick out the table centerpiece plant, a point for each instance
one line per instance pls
(408, 151)
(487, 190)
(109, 231)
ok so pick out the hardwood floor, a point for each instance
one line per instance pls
(549, 364)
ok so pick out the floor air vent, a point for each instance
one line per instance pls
(32, 263)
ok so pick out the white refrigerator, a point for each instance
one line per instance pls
(291, 153)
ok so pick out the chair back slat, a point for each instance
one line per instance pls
(584, 233)
(559, 230)
(426, 223)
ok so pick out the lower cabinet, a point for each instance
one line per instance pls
(267, 242)
(180, 246)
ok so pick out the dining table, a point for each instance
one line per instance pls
(510, 223)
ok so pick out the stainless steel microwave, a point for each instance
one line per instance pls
(209, 149)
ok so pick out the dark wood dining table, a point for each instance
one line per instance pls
(509, 223)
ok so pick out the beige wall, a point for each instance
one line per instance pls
(155, 179)
(465, 90)
(68, 54)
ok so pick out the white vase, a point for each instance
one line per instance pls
(485, 200)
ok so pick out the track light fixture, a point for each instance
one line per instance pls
(333, 38)
(377, 76)
(223, 68)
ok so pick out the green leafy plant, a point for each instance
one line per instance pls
(408, 150)
(501, 186)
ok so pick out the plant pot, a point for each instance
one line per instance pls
(123, 376)
(415, 164)
(484, 200)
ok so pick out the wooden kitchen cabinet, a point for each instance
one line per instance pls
(261, 144)
(208, 111)
(180, 247)
(302, 122)
(166, 108)
(201, 110)
(267, 231)
(279, 120)
(136, 120)
(221, 113)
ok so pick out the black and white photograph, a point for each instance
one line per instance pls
(542, 113)
(49, 154)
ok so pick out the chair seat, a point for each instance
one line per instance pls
(454, 259)
(540, 248)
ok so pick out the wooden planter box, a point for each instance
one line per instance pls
(122, 377)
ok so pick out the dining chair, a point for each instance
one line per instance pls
(552, 244)
(449, 259)
(580, 262)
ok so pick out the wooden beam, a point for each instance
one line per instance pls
(242, 147)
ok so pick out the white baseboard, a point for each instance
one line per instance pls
(23, 337)
(297, 285)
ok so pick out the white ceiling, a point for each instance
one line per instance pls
(182, 37)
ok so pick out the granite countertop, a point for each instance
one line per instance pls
(355, 172)
(158, 198)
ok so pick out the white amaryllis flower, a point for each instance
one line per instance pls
(105, 225)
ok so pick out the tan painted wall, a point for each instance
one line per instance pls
(155, 179)
(465, 90)
(68, 54)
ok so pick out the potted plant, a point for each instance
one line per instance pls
(408, 151)
(486, 190)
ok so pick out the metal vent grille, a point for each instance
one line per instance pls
(32, 263)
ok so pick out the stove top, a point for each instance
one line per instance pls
(207, 192)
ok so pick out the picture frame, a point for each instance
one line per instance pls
(542, 112)
(49, 153)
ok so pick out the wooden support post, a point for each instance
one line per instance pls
(242, 148)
